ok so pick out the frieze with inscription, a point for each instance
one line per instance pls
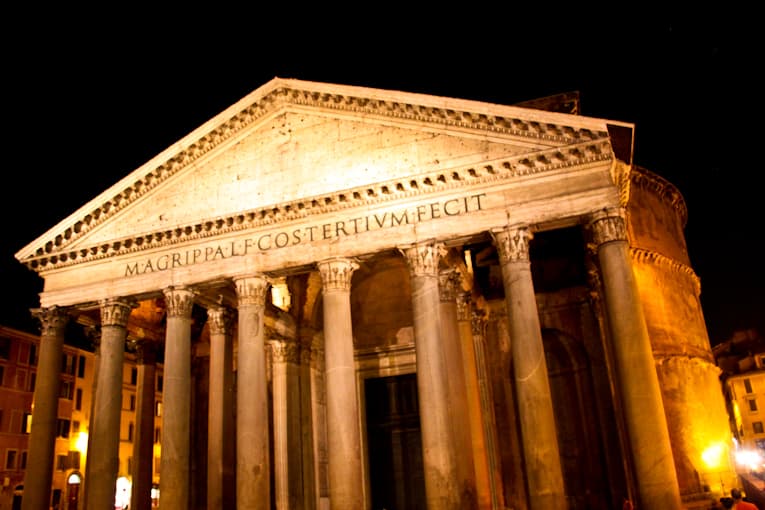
(313, 233)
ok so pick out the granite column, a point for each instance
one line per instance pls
(221, 490)
(143, 444)
(538, 433)
(253, 466)
(176, 399)
(42, 439)
(638, 381)
(103, 458)
(346, 486)
(442, 489)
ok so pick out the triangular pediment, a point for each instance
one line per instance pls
(292, 148)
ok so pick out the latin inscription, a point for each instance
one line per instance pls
(313, 233)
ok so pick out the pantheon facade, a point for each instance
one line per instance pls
(368, 299)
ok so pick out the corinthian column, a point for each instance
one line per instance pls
(285, 356)
(105, 422)
(343, 434)
(42, 439)
(253, 470)
(635, 367)
(176, 399)
(538, 433)
(442, 489)
(451, 344)
(221, 491)
(143, 445)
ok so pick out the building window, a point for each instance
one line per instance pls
(133, 376)
(62, 428)
(748, 385)
(752, 404)
(131, 430)
(157, 434)
(81, 367)
(23, 460)
(757, 426)
(26, 423)
(32, 381)
(62, 462)
(67, 364)
(132, 402)
(67, 390)
(21, 379)
(2, 374)
(74, 459)
(78, 399)
(5, 348)
(158, 408)
(159, 383)
(33, 355)
(10, 459)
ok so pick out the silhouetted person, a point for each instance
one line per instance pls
(739, 503)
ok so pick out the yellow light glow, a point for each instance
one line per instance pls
(749, 458)
(713, 456)
(81, 444)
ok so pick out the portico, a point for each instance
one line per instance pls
(395, 218)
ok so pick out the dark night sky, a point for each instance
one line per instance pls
(86, 103)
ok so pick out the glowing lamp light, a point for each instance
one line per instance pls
(713, 456)
(81, 444)
(749, 458)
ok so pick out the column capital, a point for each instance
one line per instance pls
(251, 289)
(221, 320)
(336, 273)
(478, 322)
(512, 243)
(284, 350)
(179, 301)
(422, 258)
(608, 225)
(53, 319)
(449, 285)
(463, 306)
(116, 311)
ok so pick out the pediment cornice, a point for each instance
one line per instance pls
(576, 144)
(365, 196)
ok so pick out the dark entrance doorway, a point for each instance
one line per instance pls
(395, 446)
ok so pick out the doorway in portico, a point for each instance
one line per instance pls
(394, 444)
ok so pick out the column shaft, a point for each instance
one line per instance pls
(442, 489)
(253, 490)
(287, 448)
(103, 458)
(42, 439)
(221, 491)
(346, 486)
(143, 443)
(176, 400)
(449, 285)
(532, 386)
(635, 367)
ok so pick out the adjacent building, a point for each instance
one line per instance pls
(371, 299)
(19, 354)
(742, 361)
